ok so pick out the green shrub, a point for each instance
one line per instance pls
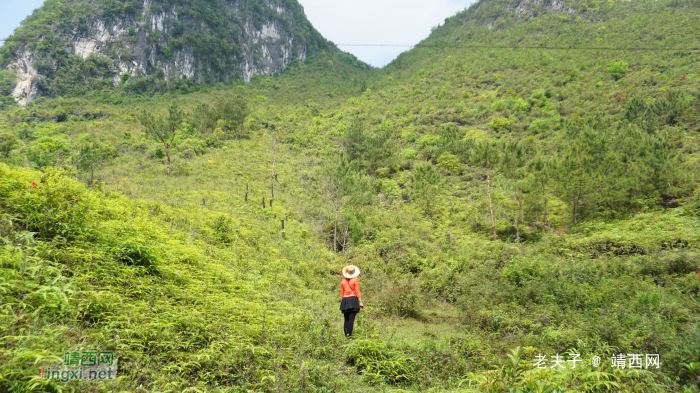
(408, 154)
(134, 253)
(428, 140)
(498, 105)
(538, 95)
(383, 172)
(51, 206)
(499, 124)
(450, 163)
(222, 229)
(7, 143)
(399, 369)
(400, 300)
(522, 106)
(618, 69)
(659, 265)
(389, 188)
(539, 126)
(191, 147)
(49, 151)
(379, 363)
(156, 152)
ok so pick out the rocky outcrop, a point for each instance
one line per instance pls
(152, 43)
(535, 7)
(23, 65)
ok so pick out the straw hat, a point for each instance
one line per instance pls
(351, 271)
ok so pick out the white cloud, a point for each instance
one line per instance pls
(399, 22)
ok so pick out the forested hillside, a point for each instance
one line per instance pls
(523, 183)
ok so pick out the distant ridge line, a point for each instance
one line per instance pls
(176, 42)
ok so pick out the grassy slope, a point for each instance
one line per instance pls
(607, 286)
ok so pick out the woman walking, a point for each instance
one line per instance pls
(351, 298)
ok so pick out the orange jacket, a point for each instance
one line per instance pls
(348, 286)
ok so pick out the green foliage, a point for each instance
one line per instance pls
(380, 364)
(401, 300)
(618, 69)
(228, 114)
(49, 151)
(590, 192)
(370, 150)
(163, 129)
(449, 162)
(408, 154)
(7, 143)
(92, 152)
(499, 124)
(521, 106)
(426, 185)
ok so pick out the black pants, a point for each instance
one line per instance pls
(349, 321)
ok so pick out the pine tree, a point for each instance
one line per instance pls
(513, 159)
(91, 153)
(339, 180)
(486, 155)
(573, 174)
(163, 128)
(541, 169)
(426, 183)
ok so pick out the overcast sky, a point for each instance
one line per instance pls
(402, 22)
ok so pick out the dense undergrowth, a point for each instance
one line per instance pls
(581, 164)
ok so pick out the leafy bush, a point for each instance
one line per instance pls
(135, 253)
(539, 126)
(191, 147)
(659, 265)
(618, 69)
(379, 363)
(450, 163)
(428, 140)
(499, 124)
(401, 300)
(521, 106)
(408, 154)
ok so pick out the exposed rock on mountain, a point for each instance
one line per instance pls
(91, 42)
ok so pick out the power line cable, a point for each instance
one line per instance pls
(410, 46)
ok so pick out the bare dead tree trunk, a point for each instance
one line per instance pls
(344, 242)
(335, 230)
(274, 159)
(273, 175)
(493, 220)
(518, 197)
(167, 154)
(427, 202)
(546, 213)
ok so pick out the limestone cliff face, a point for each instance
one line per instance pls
(533, 7)
(493, 13)
(168, 40)
(25, 89)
